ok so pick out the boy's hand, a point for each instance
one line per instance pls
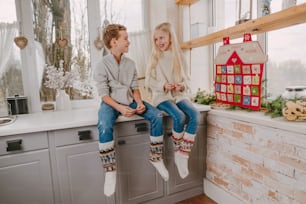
(141, 108)
(127, 111)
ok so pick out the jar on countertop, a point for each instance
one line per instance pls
(294, 106)
(18, 104)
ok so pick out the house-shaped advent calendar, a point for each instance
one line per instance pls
(238, 73)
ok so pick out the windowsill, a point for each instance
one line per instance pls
(261, 119)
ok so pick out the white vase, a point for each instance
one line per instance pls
(62, 100)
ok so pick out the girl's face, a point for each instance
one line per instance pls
(162, 40)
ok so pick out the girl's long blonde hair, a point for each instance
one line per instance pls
(178, 65)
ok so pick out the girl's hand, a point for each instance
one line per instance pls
(179, 87)
(169, 86)
(127, 111)
(141, 108)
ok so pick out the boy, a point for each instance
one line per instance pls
(116, 81)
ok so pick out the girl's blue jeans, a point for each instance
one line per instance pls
(108, 115)
(182, 113)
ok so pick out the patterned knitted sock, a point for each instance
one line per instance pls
(156, 156)
(181, 157)
(177, 138)
(107, 155)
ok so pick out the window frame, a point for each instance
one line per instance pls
(24, 11)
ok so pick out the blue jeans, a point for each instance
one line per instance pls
(108, 115)
(182, 113)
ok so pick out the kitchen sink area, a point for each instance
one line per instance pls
(7, 120)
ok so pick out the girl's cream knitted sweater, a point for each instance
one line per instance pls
(164, 73)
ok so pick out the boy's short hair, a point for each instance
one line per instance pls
(111, 31)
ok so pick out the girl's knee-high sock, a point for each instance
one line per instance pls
(156, 156)
(107, 155)
(181, 157)
(177, 139)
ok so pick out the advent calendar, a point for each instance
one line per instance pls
(238, 73)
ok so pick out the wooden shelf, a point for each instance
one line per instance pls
(292, 16)
(185, 2)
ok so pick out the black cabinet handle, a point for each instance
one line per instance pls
(121, 142)
(14, 145)
(141, 127)
(84, 135)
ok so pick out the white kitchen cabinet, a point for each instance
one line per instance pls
(63, 166)
(78, 166)
(138, 181)
(195, 166)
(25, 175)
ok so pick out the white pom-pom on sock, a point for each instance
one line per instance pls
(181, 162)
(110, 183)
(162, 170)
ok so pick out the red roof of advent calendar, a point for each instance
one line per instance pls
(239, 69)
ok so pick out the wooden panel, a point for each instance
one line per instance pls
(292, 16)
(185, 2)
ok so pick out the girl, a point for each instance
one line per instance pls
(167, 79)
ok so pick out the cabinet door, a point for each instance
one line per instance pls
(81, 175)
(138, 179)
(196, 165)
(26, 178)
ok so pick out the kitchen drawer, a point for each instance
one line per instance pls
(131, 128)
(75, 135)
(23, 142)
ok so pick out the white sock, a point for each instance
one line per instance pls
(160, 167)
(110, 183)
(181, 162)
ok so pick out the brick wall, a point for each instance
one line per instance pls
(256, 163)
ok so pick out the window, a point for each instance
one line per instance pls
(10, 63)
(61, 34)
(286, 64)
(226, 14)
(127, 12)
(56, 33)
(287, 57)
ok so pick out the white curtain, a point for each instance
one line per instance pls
(140, 49)
(7, 47)
(40, 61)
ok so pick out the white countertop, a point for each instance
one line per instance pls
(53, 120)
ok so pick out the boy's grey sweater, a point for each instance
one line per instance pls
(116, 80)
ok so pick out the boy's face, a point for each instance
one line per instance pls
(162, 40)
(121, 44)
